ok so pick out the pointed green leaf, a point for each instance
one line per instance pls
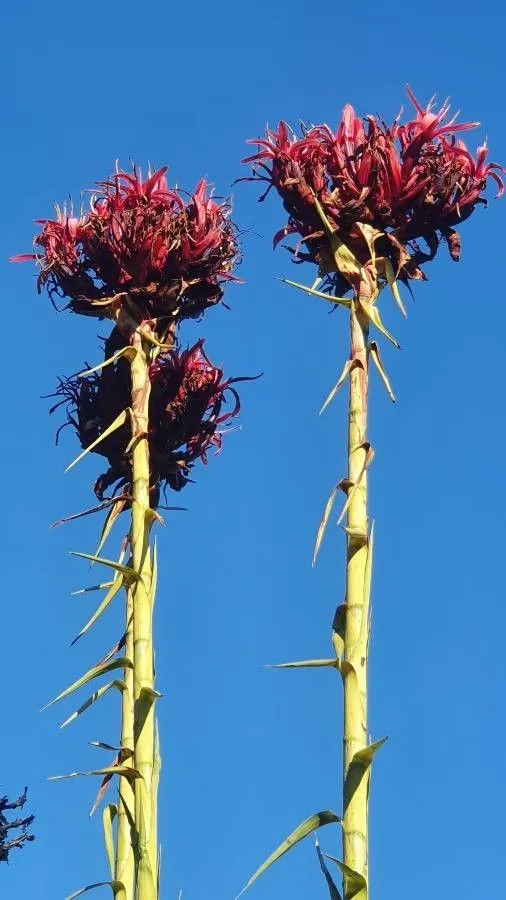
(305, 664)
(85, 512)
(151, 339)
(354, 881)
(323, 522)
(149, 695)
(333, 890)
(125, 570)
(358, 768)
(125, 771)
(95, 672)
(114, 513)
(342, 378)
(108, 817)
(111, 593)
(117, 887)
(326, 817)
(118, 423)
(394, 287)
(365, 757)
(119, 685)
(376, 358)
(94, 587)
(345, 260)
(125, 351)
(373, 315)
(338, 301)
(116, 767)
(102, 745)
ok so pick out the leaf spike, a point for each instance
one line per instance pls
(125, 570)
(125, 351)
(121, 662)
(338, 301)
(376, 358)
(318, 820)
(323, 522)
(118, 423)
(342, 378)
(372, 313)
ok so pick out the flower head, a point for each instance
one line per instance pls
(161, 252)
(185, 412)
(406, 183)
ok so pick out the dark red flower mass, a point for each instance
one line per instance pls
(185, 415)
(407, 182)
(167, 252)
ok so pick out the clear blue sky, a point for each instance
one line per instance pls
(248, 753)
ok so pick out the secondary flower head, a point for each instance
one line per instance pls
(407, 183)
(140, 244)
(185, 413)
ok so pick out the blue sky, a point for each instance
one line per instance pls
(248, 753)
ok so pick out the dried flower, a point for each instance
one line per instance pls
(406, 183)
(185, 414)
(139, 245)
(8, 838)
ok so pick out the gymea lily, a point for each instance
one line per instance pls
(145, 257)
(371, 204)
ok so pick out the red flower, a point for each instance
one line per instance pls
(169, 253)
(428, 125)
(407, 182)
(185, 414)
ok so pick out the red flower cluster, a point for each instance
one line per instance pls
(168, 254)
(407, 182)
(185, 414)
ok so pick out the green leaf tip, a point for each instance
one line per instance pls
(108, 816)
(365, 757)
(372, 313)
(117, 684)
(118, 423)
(121, 662)
(126, 771)
(305, 664)
(354, 881)
(349, 364)
(333, 889)
(337, 301)
(125, 351)
(117, 887)
(323, 522)
(113, 590)
(111, 563)
(318, 820)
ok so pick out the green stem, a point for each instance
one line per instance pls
(355, 817)
(143, 673)
(126, 807)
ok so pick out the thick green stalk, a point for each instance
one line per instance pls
(143, 672)
(126, 808)
(356, 632)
